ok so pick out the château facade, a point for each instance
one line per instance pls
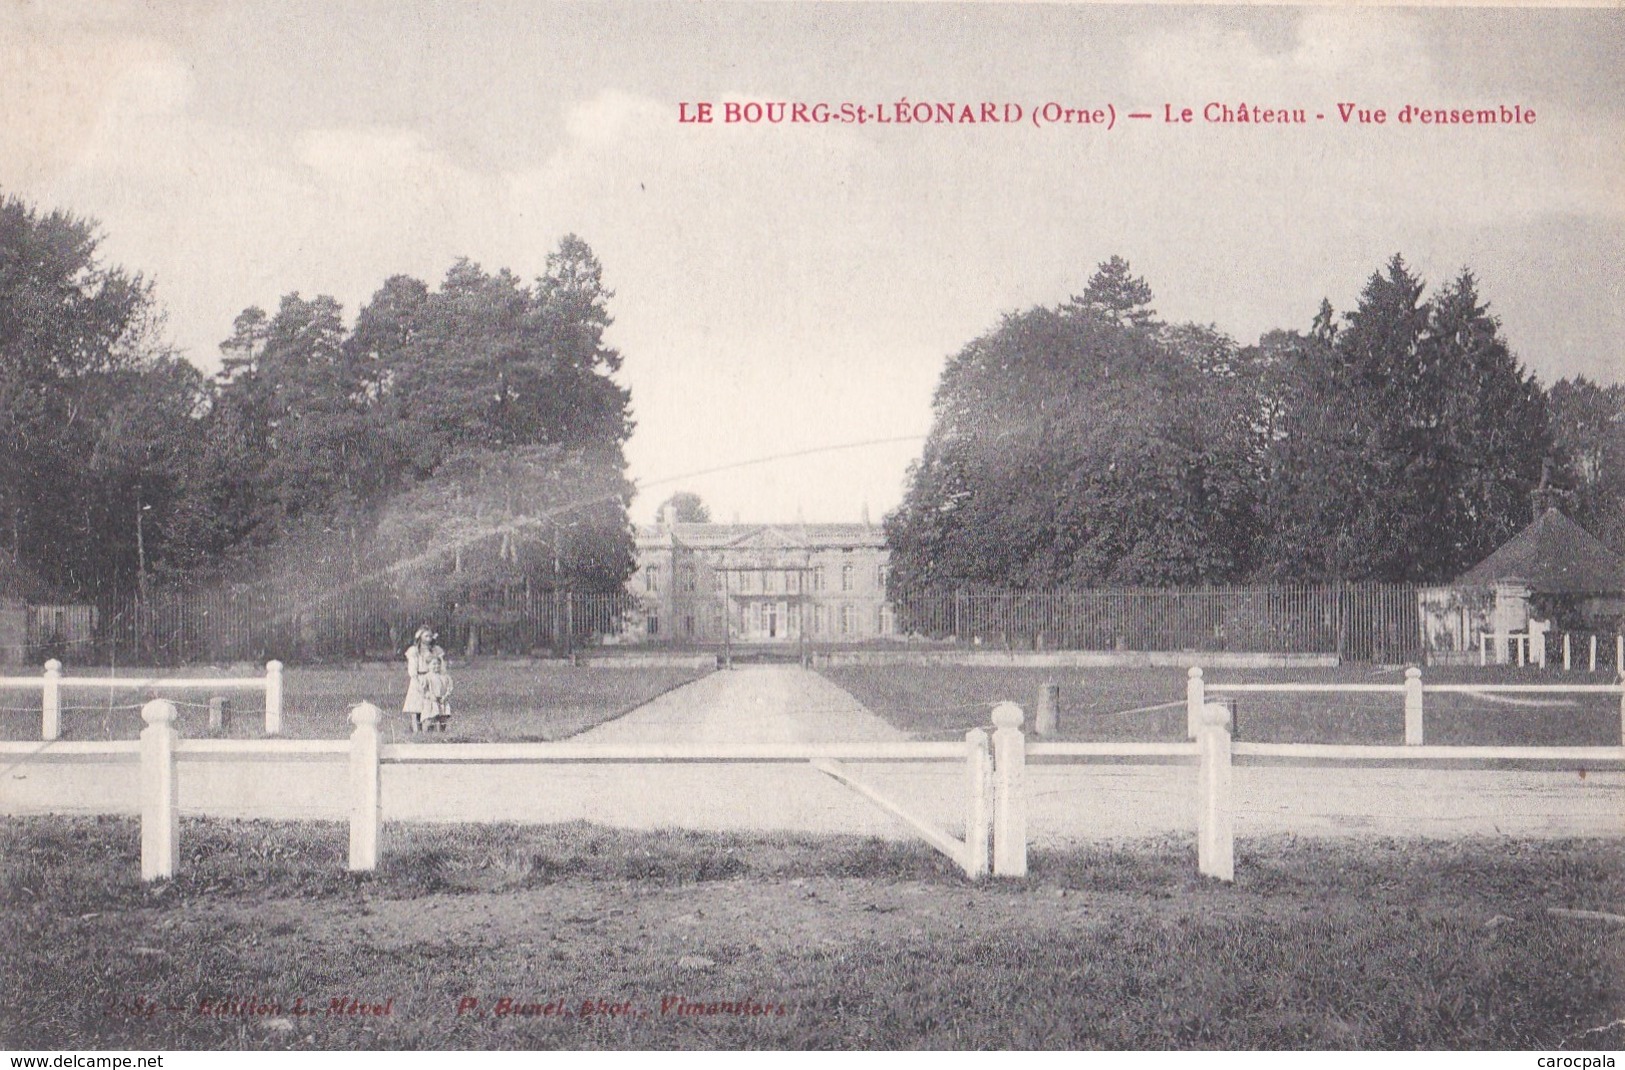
(760, 583)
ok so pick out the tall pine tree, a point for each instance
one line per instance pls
(1410, 442)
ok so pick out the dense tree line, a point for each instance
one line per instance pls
(1588, 431)
(95, 412)
(469, 437)
(1092, 443)
(461, 439)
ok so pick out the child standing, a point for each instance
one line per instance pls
(428, 685)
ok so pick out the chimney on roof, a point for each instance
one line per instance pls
(866, 515)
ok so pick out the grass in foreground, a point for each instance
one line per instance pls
(862, 943)
(944, 701)
(493, 700)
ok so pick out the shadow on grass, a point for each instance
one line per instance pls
(80, 864)
(74, 865)
(495, 857)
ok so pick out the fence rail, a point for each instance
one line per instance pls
(51, 682)
(216, 625)
(996, 796)
(1198, 688)
(1355, 622)
(1366, 621)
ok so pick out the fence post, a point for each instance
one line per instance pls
(51, 701)
(1593, 652)
(978, 814)
(1619, 653)
(1009, 792)
(1047, 721)
(160, 816)
(1195, 699)
(273, 698)
(1565, 651)
(1215, 826)
(219, 715)
(1413, 707)
(365, 813)
(1483, 649)
(1619, 678)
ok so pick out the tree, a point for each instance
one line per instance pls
(300, 429)
(686, 507)
(316, 430)
(1409, 442)
(1588, 432)
(1083, 444)
(144, 449)
(1313, 471)
(1492, 429)
(489, 522)
(1117, 294)
(491, 363)
(95, 413)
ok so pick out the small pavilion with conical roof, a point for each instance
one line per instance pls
(1553, 567)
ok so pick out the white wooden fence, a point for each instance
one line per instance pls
(1197, 690)
(996, 792)
(995, 802)
(52, 683)
(1505, 643)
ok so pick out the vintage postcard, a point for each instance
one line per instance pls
(834, 526)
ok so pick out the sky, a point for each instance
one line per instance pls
(786, 294)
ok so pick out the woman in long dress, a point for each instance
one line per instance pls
(427, 683)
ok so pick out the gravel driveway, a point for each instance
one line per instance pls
(751, 704)
(1067, 803)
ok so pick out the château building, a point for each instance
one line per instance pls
(760, 583)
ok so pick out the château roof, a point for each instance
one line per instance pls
(1554, 555)
(741, 536)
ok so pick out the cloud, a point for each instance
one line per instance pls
(1309, 52)
(612, 117)
(779, 287)
(63, 91)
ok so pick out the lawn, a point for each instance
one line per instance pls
(943, 701)
(492, 700)
(679, 939)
